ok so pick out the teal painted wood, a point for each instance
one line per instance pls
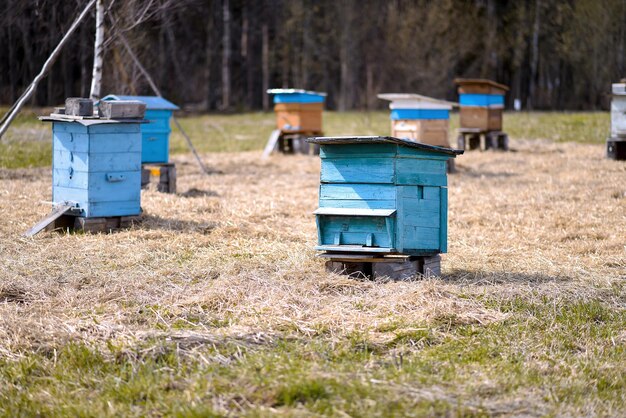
(417, 153)
(357, 203)
(98, 168)
(358, 170)
(359, 150)
(356, 230)
(369, 175)
(357, 191)
(443, 227)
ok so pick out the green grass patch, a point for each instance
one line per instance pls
(27, 143)
(555, 356)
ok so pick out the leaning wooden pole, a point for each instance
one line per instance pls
(8, 118)
(156, 90)
(98, 54)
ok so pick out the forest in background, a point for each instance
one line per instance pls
(223, 54)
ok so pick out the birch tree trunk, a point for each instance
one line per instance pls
(96, 76)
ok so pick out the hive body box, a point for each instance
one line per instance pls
(482, 102)
(616, 143)
(156, 133)
(382, 195)
(298, 111)
(97, 165)
(419, 118)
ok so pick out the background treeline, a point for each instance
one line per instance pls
(223, 54)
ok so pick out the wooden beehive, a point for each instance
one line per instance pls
(156, 132)
(298, 111)
(382, 195)
(419, 118)
(96, 166)
(482, 103)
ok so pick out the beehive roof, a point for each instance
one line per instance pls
(295, 91)
(483, 81)
(413, 97)
(337, 140)
(152, 102)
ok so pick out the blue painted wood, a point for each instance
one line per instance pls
(80, 161)
(155, 133)
(98, 165)
(155, 147)
(298, 98)
(358, 170)
(399, 114)
(97, 143)
(481, 100)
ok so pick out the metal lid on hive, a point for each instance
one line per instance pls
(415, 101)
(619, 89)
(297, 96)
(338, 140)
(152, 102)
(295, 91)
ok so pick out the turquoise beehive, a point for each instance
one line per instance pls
(96, 166)
(382, 195)
(155, 133)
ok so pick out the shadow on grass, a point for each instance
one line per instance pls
(153, 222)
(469, 172)
(477, 277)
(193, 192)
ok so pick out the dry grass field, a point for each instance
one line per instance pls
(216, 304)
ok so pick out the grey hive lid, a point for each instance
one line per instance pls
(337, 140)
(152, 102)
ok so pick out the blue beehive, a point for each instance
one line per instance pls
(155, 133)
(96, 165)
(382, 195)
(298, 110)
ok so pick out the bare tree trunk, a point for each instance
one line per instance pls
(226, 55)
(346, 51)
(246, 52)
(265, 53)
(534, 61)
(96, 77)
(210, 46)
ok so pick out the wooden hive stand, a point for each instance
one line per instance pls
(93, 225)
(165, 173)
(470, 138)
(395, 267)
